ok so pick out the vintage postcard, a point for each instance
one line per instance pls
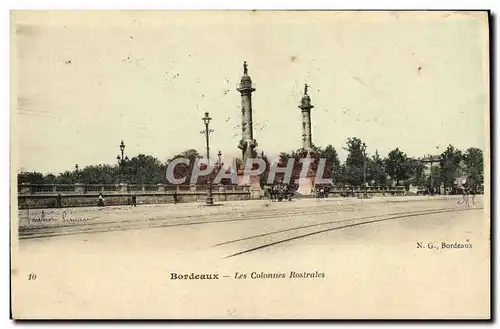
(250, 165)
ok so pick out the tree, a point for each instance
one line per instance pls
(355, 161)
(100, 174)
(435, 178)
(315, 153)
(144, 169)
(342, 176)
(30, 177)
(50, 178)
(397, 165)
(376, 170)
(283, 162)
(66, 177)
(182, 170)
(332, 165)
(449, 163)
(417, 172)
(474, 167)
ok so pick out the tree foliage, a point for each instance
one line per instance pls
(474, 167)
(450, 163)
(397, 167)
(376, 170)
(355, 162)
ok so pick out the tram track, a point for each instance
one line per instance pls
(109, 226)
(259, 245)
(228, 216)
(265, 210)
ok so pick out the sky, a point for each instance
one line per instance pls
(84, 81)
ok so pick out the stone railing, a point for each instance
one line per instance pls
(81, 195)
(370, 190)
(78, 189)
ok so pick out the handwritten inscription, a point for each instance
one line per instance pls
(64, 218)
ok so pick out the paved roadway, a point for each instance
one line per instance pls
(365, 248)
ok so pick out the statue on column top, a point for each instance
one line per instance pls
(305, 89)
(245, 68)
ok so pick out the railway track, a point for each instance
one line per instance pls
(266, 240)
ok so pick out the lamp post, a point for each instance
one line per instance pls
(206, 120)
(431, 178)
(365, 194)
(121, 160)
(77, 173)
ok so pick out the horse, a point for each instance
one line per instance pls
(271, 193)
(279, 192)
(322, 192)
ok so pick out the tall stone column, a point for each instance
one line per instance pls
(305, 107)
(306, 187)
(247, 143)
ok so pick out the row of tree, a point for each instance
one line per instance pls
(396, 169)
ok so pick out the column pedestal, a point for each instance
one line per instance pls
(306, 187)
(253, 185)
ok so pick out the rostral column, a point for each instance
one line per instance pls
(247, 143)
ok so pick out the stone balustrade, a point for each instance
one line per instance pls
(79, 188)
(370, 190)
(77, 195)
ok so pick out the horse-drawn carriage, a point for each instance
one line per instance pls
(280, 191)
(322, 191)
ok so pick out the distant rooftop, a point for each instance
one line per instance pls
(430, 158)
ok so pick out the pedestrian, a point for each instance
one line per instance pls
(175, 198)
(472, 192)
(58, 200)
(461, 190)
(134, 200)
(100, 201)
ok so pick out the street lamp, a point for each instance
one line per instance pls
(77, 173)
(206, 120)
(431, 178)
(121, 160)
(365, 194)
